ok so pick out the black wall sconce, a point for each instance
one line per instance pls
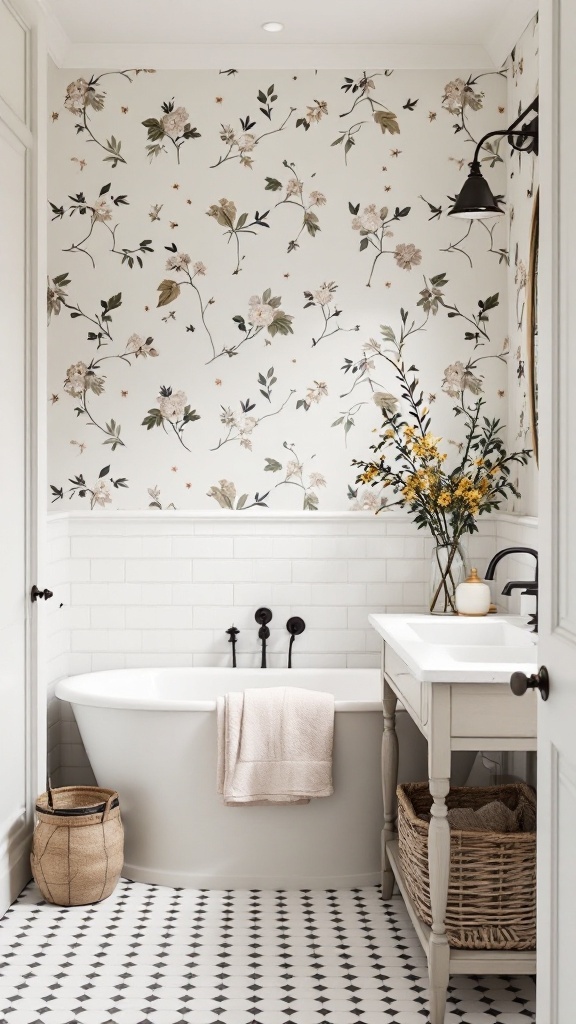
(475, 199)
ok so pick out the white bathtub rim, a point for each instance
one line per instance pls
(83, 689)
(186, 880)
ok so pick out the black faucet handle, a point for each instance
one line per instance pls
(233, 632)
(295, 625)
(263, 616)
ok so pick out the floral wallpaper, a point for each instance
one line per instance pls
(232, 256)
(522, 190)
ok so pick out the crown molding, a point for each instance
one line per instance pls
(508, 31)
(58, 42)
(279, 56)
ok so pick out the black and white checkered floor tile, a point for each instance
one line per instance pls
(152, 955)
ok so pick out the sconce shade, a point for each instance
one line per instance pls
(475, 199)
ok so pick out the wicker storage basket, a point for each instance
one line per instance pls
(492, 885)
(78, 845)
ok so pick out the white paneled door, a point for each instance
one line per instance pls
(18, 335)
(13, 515)
(557, 391)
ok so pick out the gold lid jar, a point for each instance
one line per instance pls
(473, 596)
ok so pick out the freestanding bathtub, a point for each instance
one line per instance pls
(151, 734)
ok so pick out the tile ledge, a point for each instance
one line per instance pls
(517, 518)
(221, 515)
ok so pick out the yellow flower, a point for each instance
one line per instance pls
(444, 499)
(409, 431)
(464, 486)
(369, 474)
(426, 447)
(479, 462)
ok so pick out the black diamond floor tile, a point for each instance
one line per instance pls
(153, 955)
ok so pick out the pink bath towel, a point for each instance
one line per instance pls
(275, 745)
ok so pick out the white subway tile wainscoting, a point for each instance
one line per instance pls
(137, 589)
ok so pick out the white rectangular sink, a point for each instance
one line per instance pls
(483, 632)
(454, 649)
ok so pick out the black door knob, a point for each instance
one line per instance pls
(520, 682)
(35, 593)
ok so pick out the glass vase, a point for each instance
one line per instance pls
(448, 569)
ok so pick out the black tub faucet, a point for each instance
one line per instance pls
(263, 617)
(232, 634)
(526, 586)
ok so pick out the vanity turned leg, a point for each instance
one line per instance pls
(439, 869)
(389, 783)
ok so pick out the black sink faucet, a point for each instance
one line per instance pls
(263, 616)
(526, 586)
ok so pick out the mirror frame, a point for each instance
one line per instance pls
(532, 321)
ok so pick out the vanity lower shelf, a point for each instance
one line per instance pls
(462, 961)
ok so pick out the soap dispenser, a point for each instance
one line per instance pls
(473, 596)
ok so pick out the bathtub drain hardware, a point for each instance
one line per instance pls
(295, 626)
(263, 617)
(232, 634)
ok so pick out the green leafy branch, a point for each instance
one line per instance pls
(181, 131)
(266, 99)
(266, 382)
(100, 213)
(240, 427)
(347, 420)
(375, 237)
(95, 100)
(112, 429)
(295, 197)
(225, 214)
(240, 146)
(177, 420)
(170, 290)
(99, 494)
(324, 297)
(386, 120)
(225, 495)
(280, 323)
(294, 477)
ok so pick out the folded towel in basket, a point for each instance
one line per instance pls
(275, 745)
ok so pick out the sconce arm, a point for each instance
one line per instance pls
(528, 131)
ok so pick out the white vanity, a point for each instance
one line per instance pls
(453, 677)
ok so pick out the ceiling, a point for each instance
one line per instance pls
(400, 29)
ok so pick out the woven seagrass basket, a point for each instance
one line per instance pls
(78, 845)
(492, 885)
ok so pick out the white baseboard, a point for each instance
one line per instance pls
(15, 870)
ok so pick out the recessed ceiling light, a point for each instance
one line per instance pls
(273, 26)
